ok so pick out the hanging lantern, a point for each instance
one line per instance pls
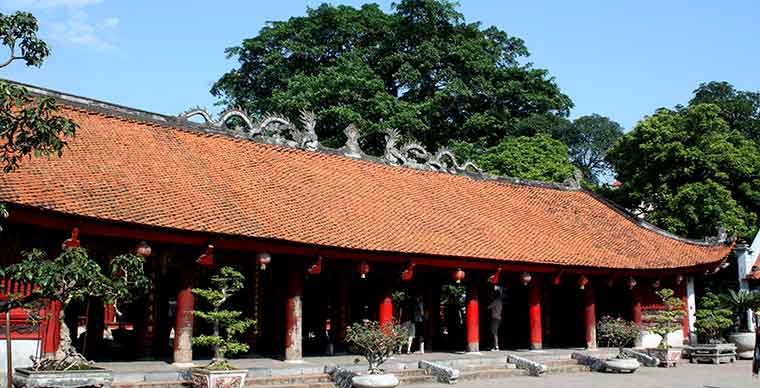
(408, 273)
(73, 241)
(207, 258)
(679, 279)
(525, 278)
(316, 268)
(458, 275)
(262, 259)
(611, 281)
(143, 249)
(363, 269)
(494, 279)
(656, 283)
(582, 282)
(631, 282)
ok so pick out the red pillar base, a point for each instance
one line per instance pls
(294, 318)
(386, 310)
(183, 329)
(589, 313)
(534, 312)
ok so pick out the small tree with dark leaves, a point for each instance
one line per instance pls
(376, 342)
(224, 285)
(74, 276)
(712, 318)
(668, 318)
(617, 333)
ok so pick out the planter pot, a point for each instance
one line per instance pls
(375, 381)
(205, 378)
(668, 357)
(745, 344)
(94, 377)
(621, 365)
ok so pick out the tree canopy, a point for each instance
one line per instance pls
(687, 171)
(588, 139)
(421, 69)
(536, 158)
(739, 108)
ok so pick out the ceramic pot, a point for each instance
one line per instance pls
(625, 365)
(668, 357)
(375, 381)
(745, 344)
(205, 378)
(97, 377)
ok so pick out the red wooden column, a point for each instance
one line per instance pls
(51, 328)
(294, 316)
(636, 310)
(534, 312)
(386, 309)
(473, 321)
(589, 314)
(685, 307)
(183, 327)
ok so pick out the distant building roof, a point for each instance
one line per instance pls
(148, 169)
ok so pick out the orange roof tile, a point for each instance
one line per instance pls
(127, 170)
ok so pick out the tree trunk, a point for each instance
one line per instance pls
(64, 345)
(217, 349)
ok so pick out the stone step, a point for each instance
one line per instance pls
(287, 380)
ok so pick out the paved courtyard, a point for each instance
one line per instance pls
(734, 375)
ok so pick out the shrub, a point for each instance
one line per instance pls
(667, 319)
(712, 319)
(224, 285)
(376, 342)
(617, 332)
(739, 303)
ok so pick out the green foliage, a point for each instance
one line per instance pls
(376, 342)
(669, 318)
(686, 171)
(740, 109)
(617, 332)
(421, 68)
(535, 158)
(712, 319)
(453, 294)
(74, 276)
(739, 303)
(224, 285)
(27, 125)
(588, 139)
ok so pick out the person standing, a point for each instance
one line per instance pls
(495, 307)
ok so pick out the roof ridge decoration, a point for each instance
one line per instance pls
(278, 130)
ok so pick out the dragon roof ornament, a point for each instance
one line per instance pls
(279, 130)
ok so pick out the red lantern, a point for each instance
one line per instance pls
(631, 282)
(262, 259)
(458, 275)
(73, 241)
(525, 278)
(494, 279)
(143, 249)
(207, 258)
(656, 283)
(582, 282)
(679, 279)
(408, 273)
(315, 268)
(363, 269)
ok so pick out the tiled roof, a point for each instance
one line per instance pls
(136, 171)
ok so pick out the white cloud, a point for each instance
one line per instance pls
(109, 22)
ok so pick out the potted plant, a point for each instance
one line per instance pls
(618, 333)
(376, 343)
(226, 326)
(740, 303)
(713, 320)
(72, 276)
(663, 322)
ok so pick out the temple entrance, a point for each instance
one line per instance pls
(514, 332)
(566, 315)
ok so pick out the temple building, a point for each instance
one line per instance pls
(328, 237)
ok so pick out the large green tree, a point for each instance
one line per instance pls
(28, 125)
(686, 170)
(740, 108)
(588, 139)
(421, 69)
(535, 158)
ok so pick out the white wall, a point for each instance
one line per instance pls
(22, 349)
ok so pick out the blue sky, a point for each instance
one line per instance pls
(619, 59)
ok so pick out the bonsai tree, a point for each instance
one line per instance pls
(376, 342)
(739, 303)
(617, 333)
(712, 319)
(74, 276)
(226, 324)
(667, 319)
